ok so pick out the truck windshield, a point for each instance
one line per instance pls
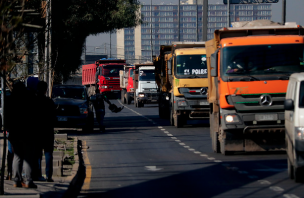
(191, 65)
(111, 70)
(146, 75)
(262, 60)
(68, 92)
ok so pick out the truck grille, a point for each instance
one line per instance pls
(67, 110)
(113, 82)
(253, 102)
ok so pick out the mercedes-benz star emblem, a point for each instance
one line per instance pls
(265, 100)
(203, 90)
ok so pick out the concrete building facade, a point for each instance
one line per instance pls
(138, 44)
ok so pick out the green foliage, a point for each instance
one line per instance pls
(74, 20)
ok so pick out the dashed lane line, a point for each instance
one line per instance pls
(262, 182)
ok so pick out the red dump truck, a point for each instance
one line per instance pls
(104, 75)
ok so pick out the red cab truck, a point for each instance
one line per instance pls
(104, 75)
(126, 84)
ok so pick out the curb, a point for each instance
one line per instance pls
(79, 170)
(76, 158)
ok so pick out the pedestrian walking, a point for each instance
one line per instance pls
(20, 112)
(46, 122)
(99, 107)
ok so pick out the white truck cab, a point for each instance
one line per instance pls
(294, 126)
(145, 85)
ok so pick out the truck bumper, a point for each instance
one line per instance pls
(149, 97)
(194, 108)
(251, 132)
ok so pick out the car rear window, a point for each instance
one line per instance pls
(68, 92)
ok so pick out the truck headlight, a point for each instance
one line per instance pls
(232, 119)
(141, 95)
(182, 103)
(83, 110)
(299, 133)
(131, 90)
(104, 87)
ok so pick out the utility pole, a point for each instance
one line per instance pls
(179, 20)
(3, 128)
(110, 45)
(228, 13)
(47, 51)
(85, 51)
(197, 39)
(151, 30)
(205, 20)
(283, 12)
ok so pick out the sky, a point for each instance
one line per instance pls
(294, 13)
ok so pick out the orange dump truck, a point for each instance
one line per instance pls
(249, 66)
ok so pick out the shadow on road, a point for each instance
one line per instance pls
(223, 180)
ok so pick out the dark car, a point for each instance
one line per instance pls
(73, 107)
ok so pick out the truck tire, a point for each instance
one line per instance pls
(171, 117)
(298, 174)
(129, 99)
(123, 99)
(290, 169)
(222, 143)
(215, 143)
(178, 120)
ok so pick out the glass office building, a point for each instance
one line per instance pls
(134, 44)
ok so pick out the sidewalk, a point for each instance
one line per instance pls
(61, 187)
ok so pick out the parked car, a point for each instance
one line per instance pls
(294, 126)
(73, 107)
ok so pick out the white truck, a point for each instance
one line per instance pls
(144, 84)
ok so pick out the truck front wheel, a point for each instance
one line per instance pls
(178, 120)
(129, 99)
(215, 142)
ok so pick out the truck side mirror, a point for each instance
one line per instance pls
(170, 66)
(288, 105)
(213, 63)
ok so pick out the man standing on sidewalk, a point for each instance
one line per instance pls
(21, 114)
(45, 123)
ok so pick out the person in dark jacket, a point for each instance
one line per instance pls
(46, 120)
(99, 107)
(21, 113)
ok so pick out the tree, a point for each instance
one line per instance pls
(74, 20)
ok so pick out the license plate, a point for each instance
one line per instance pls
(266, 117)
(63, 119)
(204, 103)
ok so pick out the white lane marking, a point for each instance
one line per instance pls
(211, 158)
(160, 127)
(153, 122)
(276, 188)
(152, 168)
(290, 196)
(183, 144)
(233, 168)
(186, 146)
(174, 138)
(264, 182)
(252, 177)
(163, 129)
(204, 155)
(169, 134)
(177, 140)
(218, 161)
(197, 152)
(243, 172)
(191, 149)
(166, 131)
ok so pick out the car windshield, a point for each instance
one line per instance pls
(191, 65)
(147, 75)
(262, 60)
(111, 70)
(68, 92)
